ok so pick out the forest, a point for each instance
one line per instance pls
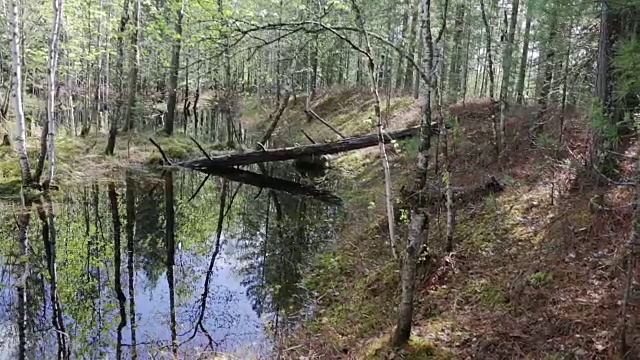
(320, 179)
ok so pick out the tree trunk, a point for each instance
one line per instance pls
(419, 217)
(506, 71)
(421, 47)
(16, 62)
(173, 73)
(267, 155)
(523, 60)
(565, 81)
(465, 76)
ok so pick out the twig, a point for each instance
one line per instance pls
(200, 147)
(199, 187)
(164, 156)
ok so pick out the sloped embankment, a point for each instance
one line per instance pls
(536, 271)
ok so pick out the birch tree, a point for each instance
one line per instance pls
(16, 67)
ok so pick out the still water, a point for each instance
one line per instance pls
(140, 268)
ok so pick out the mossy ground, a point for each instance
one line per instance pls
(534, 273)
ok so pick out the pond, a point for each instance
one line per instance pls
(141, 268)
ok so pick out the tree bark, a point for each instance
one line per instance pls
(402, 44)
(411, 49)
(456, 56)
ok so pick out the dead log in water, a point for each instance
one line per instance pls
(295, 152)
(269, 182)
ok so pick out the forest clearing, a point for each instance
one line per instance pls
(328, 179)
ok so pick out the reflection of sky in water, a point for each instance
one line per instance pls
(229, 318)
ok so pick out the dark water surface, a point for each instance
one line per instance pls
(120, 269)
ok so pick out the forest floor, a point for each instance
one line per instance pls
(536, 273)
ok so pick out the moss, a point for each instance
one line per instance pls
(10, 188)
(540, 279)
(418, 348)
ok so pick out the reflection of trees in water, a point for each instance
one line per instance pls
(280, 234)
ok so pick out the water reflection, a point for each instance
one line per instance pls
(133, 269)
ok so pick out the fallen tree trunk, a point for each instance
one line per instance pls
(289, 153)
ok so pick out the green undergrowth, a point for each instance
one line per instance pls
(81, 158)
